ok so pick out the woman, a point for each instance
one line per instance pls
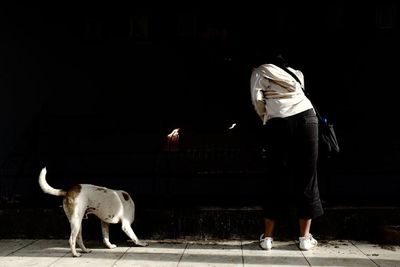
(292, 147)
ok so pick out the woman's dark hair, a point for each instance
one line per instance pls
(274, 56)
(280, 61)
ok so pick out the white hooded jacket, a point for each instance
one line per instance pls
(275, 93)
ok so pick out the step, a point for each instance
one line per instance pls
(207, 223)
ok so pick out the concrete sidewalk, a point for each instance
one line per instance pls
(41, 252)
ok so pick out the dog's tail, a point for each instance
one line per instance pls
(46, 187)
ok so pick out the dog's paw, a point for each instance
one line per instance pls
(76, 254)
(109, 245)
(86, 250)
(142, 244)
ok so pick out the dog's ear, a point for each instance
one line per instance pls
(126, 196)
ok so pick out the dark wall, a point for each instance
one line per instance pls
(91, 91)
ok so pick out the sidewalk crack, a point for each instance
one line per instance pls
(241, 248)
(11, 253)
(183, 253)
(351, 242)
(120, 257)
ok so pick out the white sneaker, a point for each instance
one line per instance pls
(266, 242)
(307, 243)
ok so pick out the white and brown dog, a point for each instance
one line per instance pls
(110, 206)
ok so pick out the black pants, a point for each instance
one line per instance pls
(292, 153)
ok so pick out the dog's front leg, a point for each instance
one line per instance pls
(105, 232)
(126, 227)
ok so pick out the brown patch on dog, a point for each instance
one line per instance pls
(126, 196)
(70, 197)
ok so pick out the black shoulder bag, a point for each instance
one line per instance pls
(328, 143)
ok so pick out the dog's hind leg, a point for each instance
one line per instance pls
(79, 240)
(75, 222)
(126, 227)
(105, 232)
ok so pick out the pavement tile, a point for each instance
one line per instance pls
(99, 257)
(156, 254)
(8, 246)
(283, 253)
(39, 253)
(337, 253)
(221, 254)
(382, 255)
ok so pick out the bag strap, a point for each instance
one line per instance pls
(320, 119)
(292, 74)
(306, 93)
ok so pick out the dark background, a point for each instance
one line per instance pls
(92, 90)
